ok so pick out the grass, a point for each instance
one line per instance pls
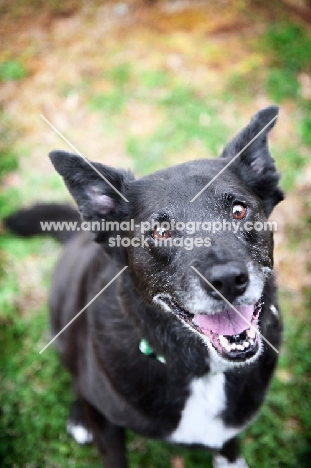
(290, 162)
(286, 412)
(183, 124)
(281, 85)
(304, 128)
(12, 70)
(34, 392)
(285, 47)
(289, 46)
(8, 159)
(187, 118)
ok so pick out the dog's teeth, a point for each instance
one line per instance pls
(251, 333)
(228, 348)
(246, 344)
(233, 346)
(240, 347)
(223, 341)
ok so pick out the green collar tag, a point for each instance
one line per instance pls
(145, 348)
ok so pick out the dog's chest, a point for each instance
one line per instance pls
(200, 421)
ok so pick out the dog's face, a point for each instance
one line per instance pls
(192, 253)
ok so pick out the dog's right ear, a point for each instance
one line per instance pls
(98, 190)
(252, 161)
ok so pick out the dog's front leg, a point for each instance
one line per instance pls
(229, 457)
(109, 438)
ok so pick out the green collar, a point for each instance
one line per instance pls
(145, 348)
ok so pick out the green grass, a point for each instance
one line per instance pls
(182, 124)
(151, 79)
(112, 102)
(287, 50)
(12, 70)
(280, 435)
(8, 133)
(188, 118)
(289, 46)
(304, 127)
(290, 162)
(281, 84)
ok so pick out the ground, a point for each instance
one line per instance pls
(144, 85)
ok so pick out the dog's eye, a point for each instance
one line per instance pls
(238, 211)
(160, 233)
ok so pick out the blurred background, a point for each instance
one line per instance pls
(142, 85)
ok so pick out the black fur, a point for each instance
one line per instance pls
(26, 222)
(117, 385)
(255, 165)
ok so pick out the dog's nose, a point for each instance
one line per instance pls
(230, 279)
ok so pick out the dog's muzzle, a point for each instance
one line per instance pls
(233, 332)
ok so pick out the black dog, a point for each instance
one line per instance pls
(160, 351)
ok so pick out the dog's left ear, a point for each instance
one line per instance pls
(98, 190)
(255, 165)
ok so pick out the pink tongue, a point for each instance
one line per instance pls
(226, 322)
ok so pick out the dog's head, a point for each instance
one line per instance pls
(194, 235)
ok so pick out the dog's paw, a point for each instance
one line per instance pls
(80, 433)
(222, 462)
(77, 425)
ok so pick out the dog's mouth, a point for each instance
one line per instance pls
(234, 332)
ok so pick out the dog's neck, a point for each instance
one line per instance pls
(163, 332)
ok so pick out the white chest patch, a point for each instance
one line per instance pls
(200, 422)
